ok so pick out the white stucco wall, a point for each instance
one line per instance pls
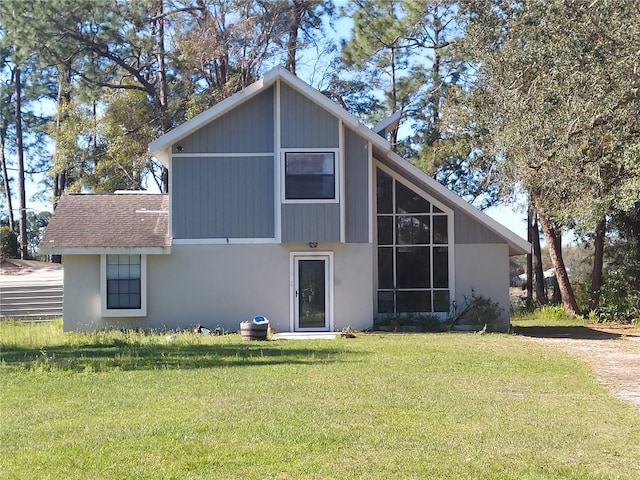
(222, 285)
(484, 269)
(81, 302)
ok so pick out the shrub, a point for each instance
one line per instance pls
(9, 247)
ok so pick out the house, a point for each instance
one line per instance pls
(280, 204)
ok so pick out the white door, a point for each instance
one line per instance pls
(311, 292)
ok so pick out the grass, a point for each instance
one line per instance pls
(136, 406)
(555, 316)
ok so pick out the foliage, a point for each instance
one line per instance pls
(419, 322)
(621, 290)
(547, 315)
(474, 310)
(9, 247)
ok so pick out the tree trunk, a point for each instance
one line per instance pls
(564, 286)
(539, 286)
(162, 93)
(24, 252)
(297, 12)
(598, 263)
(529, 258)
(5, 178)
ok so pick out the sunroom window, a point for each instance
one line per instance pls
(413, 250)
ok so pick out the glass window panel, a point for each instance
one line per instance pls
(384, 192)
(112, 271)
(440, 233)
(412, 229)
(123, 286)
(135, 260)
(385, 230)
(408, 201)
(112, 286)
(385, 267)
(310, 176)
(134, 301)
(440, 267)
(112, 301)
(413, 269)
(123, 259)
(437, 210)
(134, 286)
(311, 301)
(123, 300)
(112, 259)
(385, 302)
(413, 301)
(134, 271)
(441, 302)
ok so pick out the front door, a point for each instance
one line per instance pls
(311, 292)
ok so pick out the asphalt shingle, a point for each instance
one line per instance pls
(125, 220)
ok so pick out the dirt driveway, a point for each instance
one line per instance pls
(612, 353)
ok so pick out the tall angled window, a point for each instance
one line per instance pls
(310, 176)
(413, 250)
(124, 273)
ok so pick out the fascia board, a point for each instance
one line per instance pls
(520, 245)
(52, 250)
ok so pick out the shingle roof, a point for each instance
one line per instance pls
(128, 220)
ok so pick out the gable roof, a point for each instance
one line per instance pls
(120, 223)
(161, 147)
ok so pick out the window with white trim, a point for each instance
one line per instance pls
(413, 250)
(310, 176)
(123, 285)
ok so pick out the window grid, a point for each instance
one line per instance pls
(124, 282)
(439, 296)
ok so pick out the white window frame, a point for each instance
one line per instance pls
(336, 169)
(123, 312)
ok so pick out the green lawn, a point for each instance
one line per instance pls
(134, 406)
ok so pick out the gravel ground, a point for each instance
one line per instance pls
(612, 353)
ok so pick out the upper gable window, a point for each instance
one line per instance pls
(310, 176)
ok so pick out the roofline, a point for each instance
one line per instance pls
(49, 250)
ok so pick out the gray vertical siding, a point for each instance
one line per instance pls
(356, 159)
(467, 230)
(304, 124)
(246, 129)
(310, 222)
(223, 197)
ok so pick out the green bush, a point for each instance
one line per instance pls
(9, 247)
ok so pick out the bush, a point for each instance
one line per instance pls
(9, 247)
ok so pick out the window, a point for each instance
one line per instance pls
(124, 285)
(310, 176)
(413, 250)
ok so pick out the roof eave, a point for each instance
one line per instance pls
(53, 250)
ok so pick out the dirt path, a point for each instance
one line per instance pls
(612, 353)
